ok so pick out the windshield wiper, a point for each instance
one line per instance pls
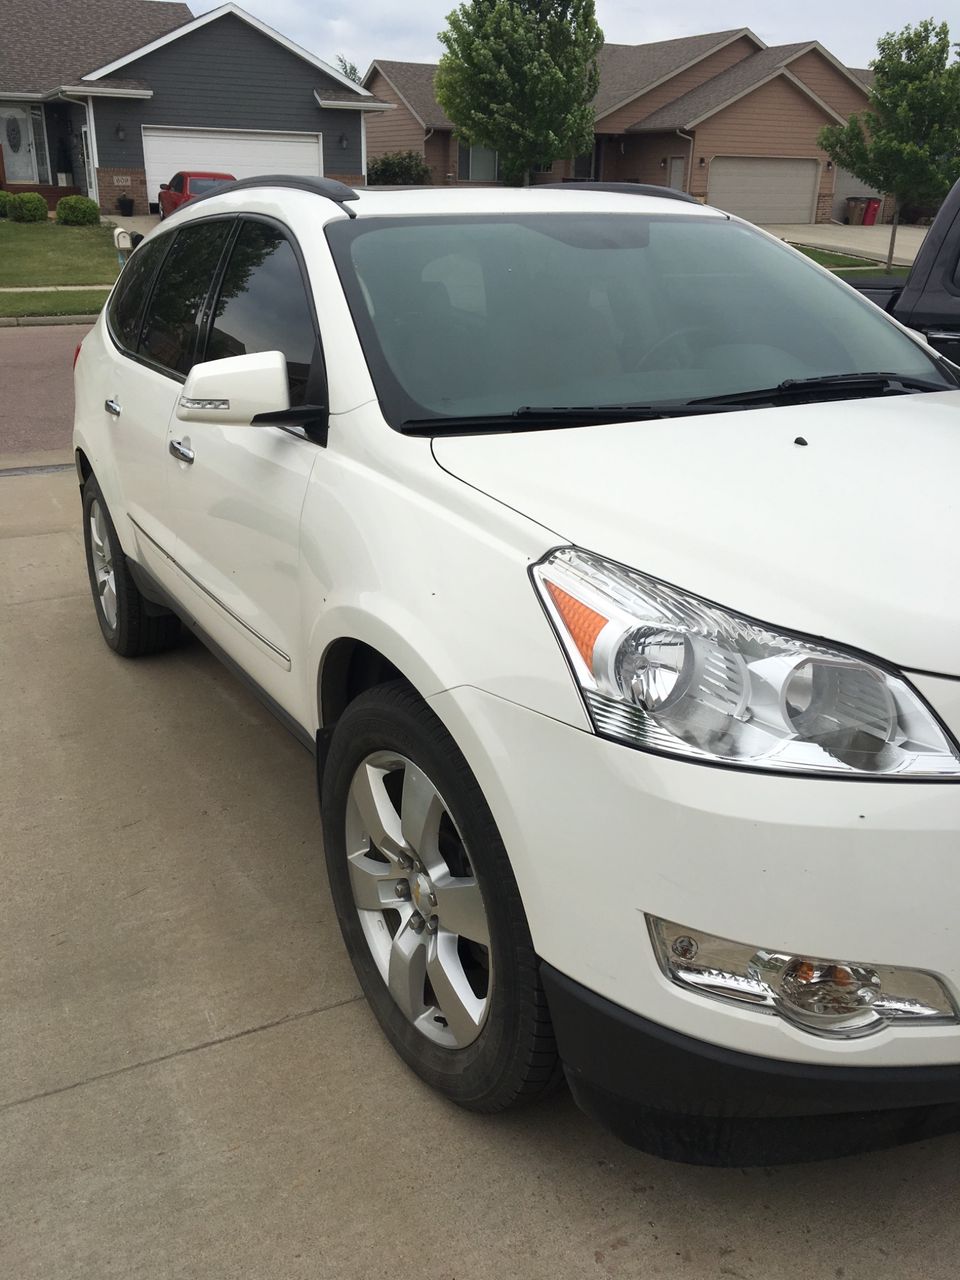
(550, 417)
(799, 389)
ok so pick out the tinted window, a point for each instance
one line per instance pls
(176, 182)
(127, 301)
(200, 186)
(169, 333)
(263, 305)
(474, 315)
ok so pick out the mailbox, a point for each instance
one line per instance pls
(123, 244)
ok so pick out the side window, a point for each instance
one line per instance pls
(176, 182)
(126, 304)
(169, 334)
(263, 305)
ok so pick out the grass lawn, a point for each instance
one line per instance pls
(44, 253)
(897, 273)
(78, 302)
(828, 259)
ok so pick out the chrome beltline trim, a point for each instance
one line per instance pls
(284, 657)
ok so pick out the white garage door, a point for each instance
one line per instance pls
(765, 190)
(245, 155)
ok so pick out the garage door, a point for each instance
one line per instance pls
(245, 155)
(764, 190)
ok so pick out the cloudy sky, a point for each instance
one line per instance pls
(365, 29)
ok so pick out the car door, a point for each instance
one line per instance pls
(160, 340)
(236, 504)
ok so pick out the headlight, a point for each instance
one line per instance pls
(669, 672)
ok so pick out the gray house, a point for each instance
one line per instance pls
(112, 97)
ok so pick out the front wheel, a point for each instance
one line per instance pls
(429, 909)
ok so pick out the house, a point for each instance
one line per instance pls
(721, 115)
(112, 97)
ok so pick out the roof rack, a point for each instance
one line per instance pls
(622, 188)
(329, 188)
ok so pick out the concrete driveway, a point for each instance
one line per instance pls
(190, 1085)
(866, 242)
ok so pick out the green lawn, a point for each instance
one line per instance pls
(77, 302)
(897, 273)
(828, 259)
(44, 253)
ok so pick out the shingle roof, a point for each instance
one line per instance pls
(712, 94)
(414, 82)
(48, 43)
(628, 69)
(866, 74)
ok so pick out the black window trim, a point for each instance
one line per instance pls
(317, 378)
(136, 356)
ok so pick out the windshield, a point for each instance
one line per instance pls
(467, 317)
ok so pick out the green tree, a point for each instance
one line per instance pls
(348, 69)
(519, 76)
(907, 142)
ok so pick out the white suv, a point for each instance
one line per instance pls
(605, 551)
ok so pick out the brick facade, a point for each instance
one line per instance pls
(111, 190)
(825, 206)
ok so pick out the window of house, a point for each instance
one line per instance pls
(171, 322)
(477, 164)
(543, 168)
(263, 305)
(126, 305)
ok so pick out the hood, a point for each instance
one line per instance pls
(853, 536)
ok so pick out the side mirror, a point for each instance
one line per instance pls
(164, 186)
(235, 390)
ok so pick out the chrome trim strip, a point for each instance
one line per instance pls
(284, 657)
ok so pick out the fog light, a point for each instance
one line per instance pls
(826, 997)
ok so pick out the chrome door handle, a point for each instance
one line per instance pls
(180, 450)
(111, 406)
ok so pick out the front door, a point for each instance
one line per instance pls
(676, 172)
(236, 503)
(16, 139)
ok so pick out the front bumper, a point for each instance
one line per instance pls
(686, 1100)
(599, 834)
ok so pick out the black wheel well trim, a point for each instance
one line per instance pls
(349, 667)
(84, 469)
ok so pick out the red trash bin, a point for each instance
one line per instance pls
(871, 211)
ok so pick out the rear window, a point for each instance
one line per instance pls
(126, 305)
(170, 326)
(200, 186)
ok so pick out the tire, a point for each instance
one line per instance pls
(130, 626)
(475, 1025)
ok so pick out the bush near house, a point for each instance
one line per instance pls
(78, 211)
(29, 206)
(398, 169)
(4, 201)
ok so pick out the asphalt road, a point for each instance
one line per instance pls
(36, 388)
(190, 1085)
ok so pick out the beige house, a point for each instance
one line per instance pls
(722, 116)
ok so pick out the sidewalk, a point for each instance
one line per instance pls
(866, 242)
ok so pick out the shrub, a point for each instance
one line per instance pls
(398, 169)
(4, 201)
(29, 206)
(78, 211)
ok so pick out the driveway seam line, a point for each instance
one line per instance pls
(180, 1053)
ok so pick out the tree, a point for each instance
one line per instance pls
(519, 76)
(907, 142)
(349, 69)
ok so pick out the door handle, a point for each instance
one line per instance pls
(180, 450)
(113, 407)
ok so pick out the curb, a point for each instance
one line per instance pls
(11, 322)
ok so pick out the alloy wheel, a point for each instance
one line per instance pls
(103, 571)
(418, 900)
